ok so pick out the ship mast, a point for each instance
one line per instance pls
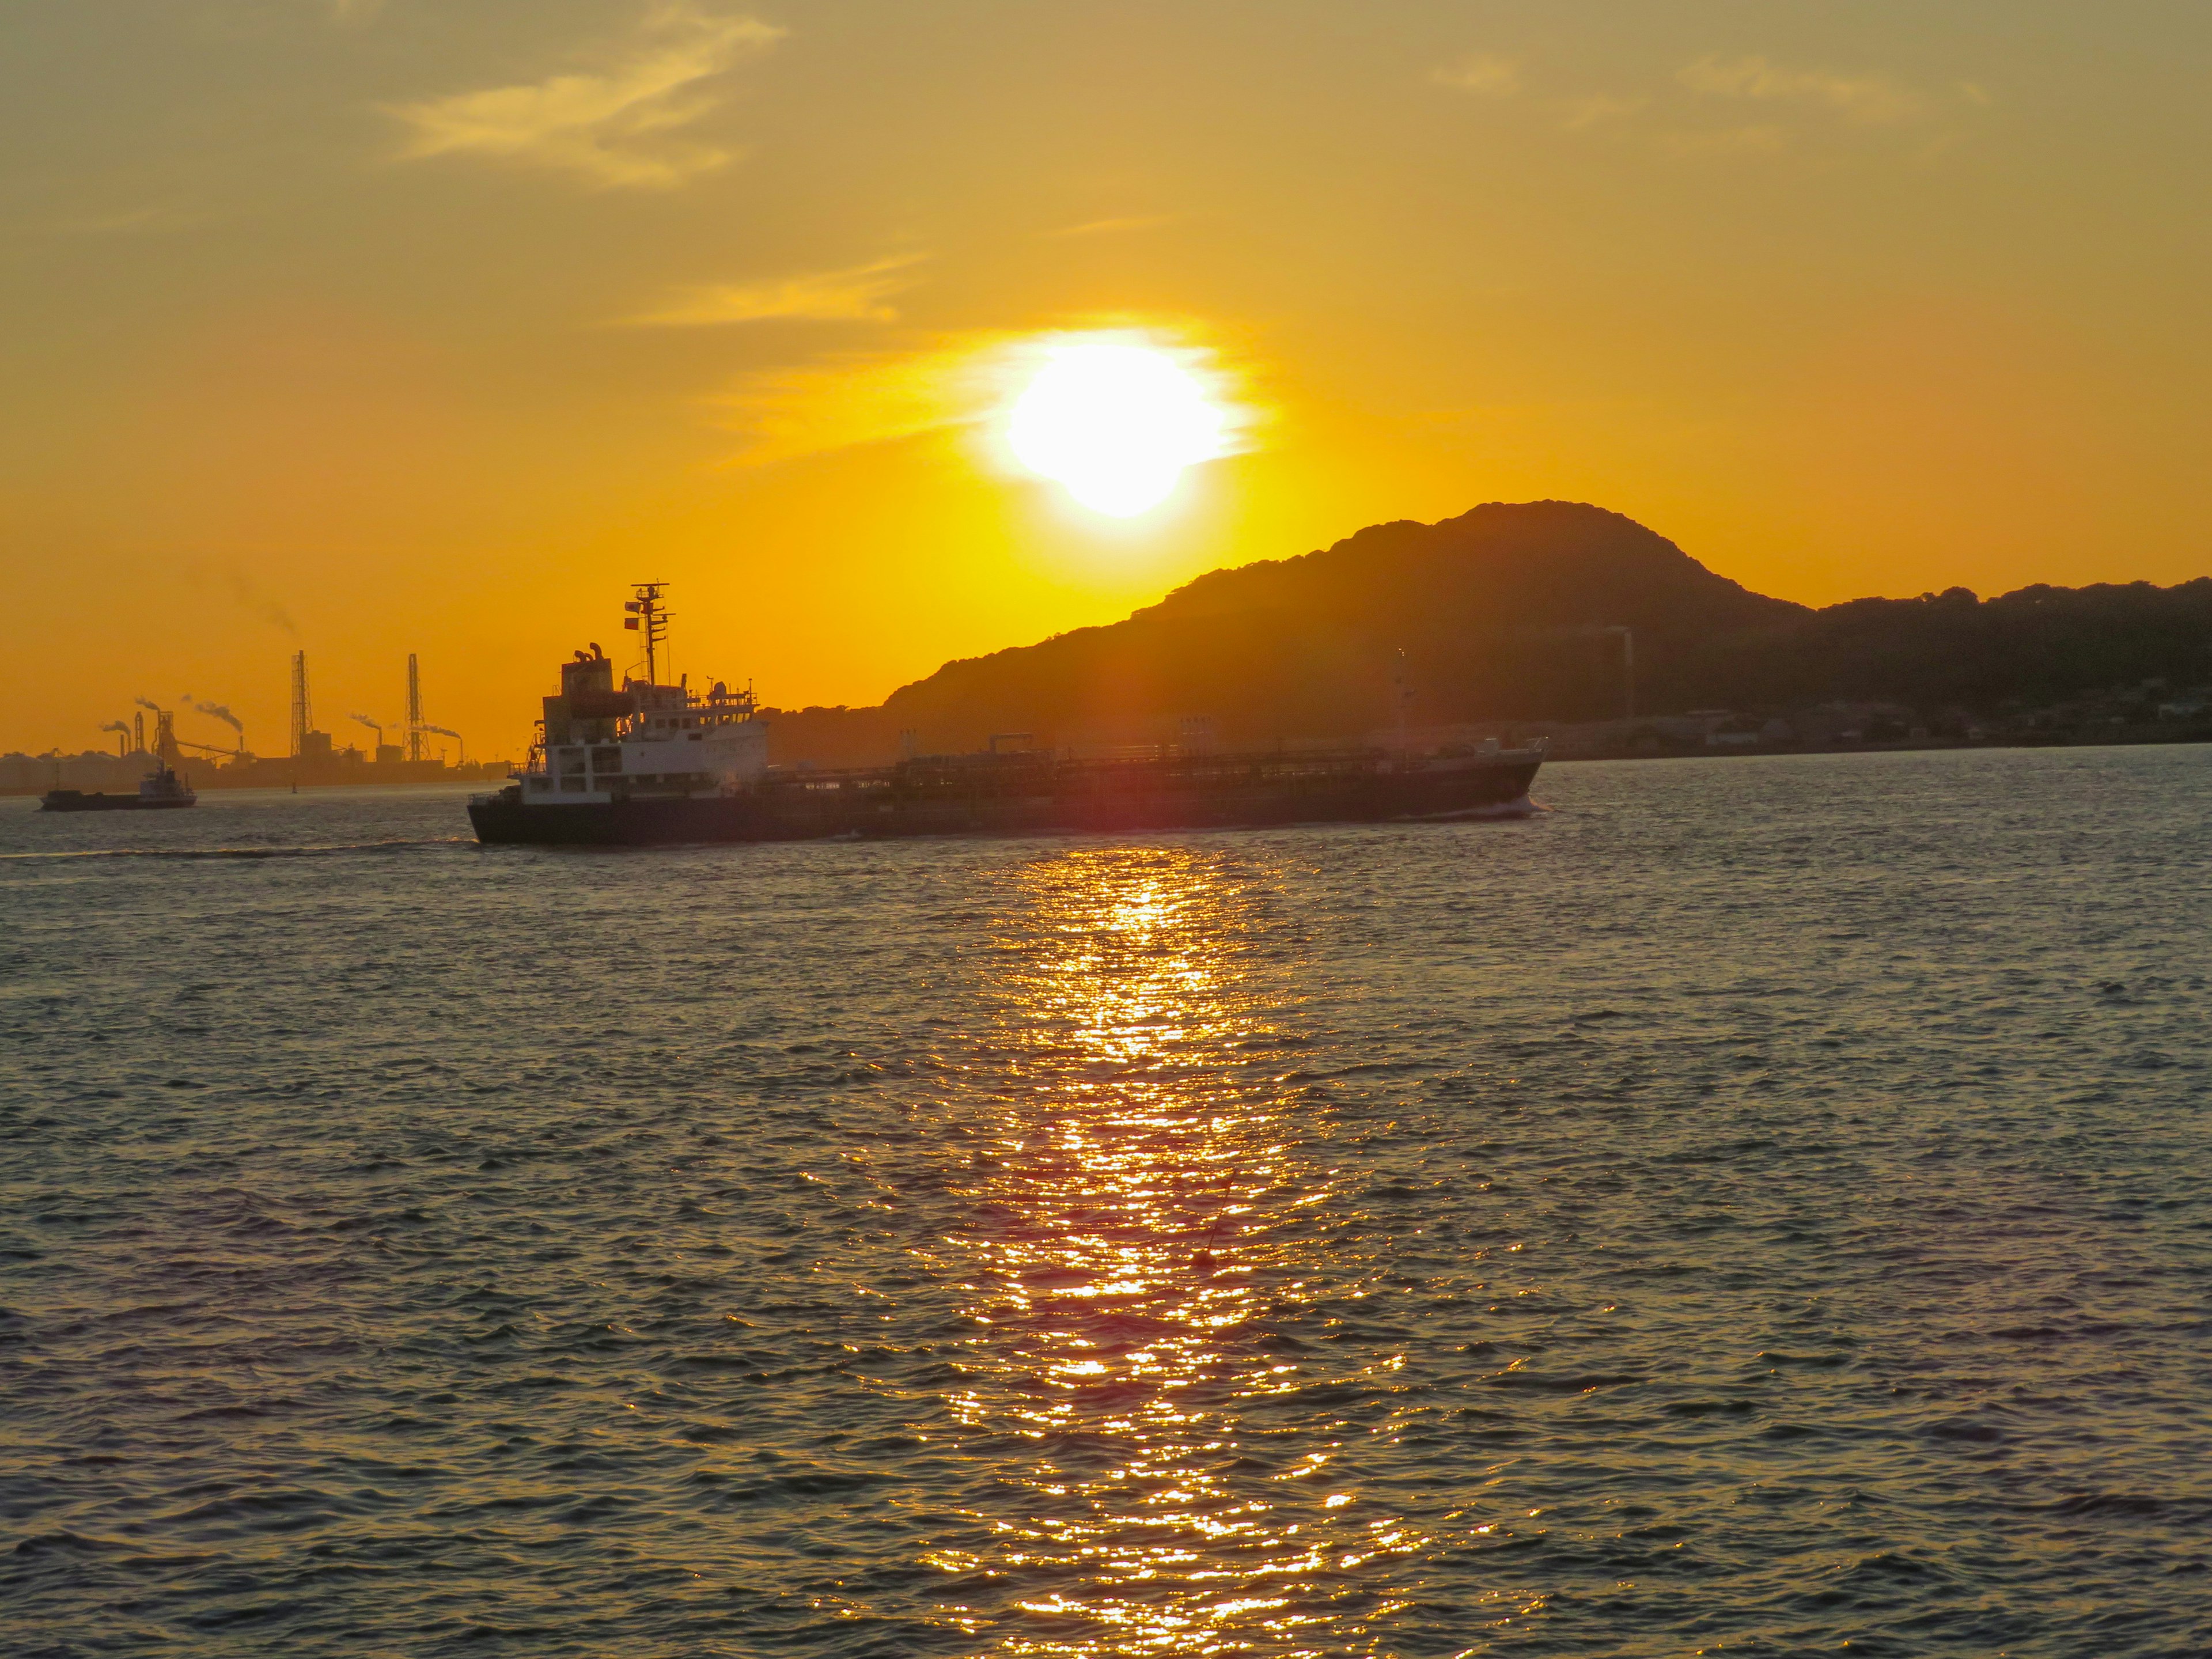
(649, 617)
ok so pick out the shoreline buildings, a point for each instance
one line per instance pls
(313, 760)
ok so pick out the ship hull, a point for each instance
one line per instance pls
(1024, 801)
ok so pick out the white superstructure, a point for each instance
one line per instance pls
(643, 741)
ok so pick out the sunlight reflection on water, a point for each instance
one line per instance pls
(1126, 1242)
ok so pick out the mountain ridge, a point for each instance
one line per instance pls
(1508, 611)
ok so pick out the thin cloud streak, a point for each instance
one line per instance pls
(1114, 227)
(1596, 108)
(1761, 140)
(609, 129)
(858, 398)
(1493, 77)
(1871, 99)
(855, 294)
(963, 379)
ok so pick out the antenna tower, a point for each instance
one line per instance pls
(414, 710)
(649, 617)
(137, 734)
(302, 716)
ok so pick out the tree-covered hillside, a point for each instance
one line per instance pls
(1513, 613)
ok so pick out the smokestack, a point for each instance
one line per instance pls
(137, 734)
(123, 733)
(303, 717)
(414, 710)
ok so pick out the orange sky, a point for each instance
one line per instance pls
(381, 326)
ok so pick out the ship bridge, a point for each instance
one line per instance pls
(644, 739)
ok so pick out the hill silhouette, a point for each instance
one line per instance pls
(1509, 612)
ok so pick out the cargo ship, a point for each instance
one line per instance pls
(160, 789)
(646, 764)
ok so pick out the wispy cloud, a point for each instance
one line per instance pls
(1494, 77)
(856, 295)
(1761, 140)
(955, 380)
(1595, 109)
(1114, 227)
(1872, 98)
(611, 128)
(856, 399)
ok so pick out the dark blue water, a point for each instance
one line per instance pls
(1758, 1207)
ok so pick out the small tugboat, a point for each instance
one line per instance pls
(647, 764)
(161, 789)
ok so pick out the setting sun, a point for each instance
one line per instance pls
(1116, 423)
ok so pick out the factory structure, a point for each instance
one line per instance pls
(410, 750)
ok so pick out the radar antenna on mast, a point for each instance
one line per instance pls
(649, 617)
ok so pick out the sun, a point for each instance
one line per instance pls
(1116, 423)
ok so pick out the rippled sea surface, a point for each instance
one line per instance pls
(1759, 1206)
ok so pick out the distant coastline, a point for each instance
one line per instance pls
(1551, 620)
(1830, 730)
(34, 775)
(1561, 620)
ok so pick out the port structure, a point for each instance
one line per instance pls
(314, 757)
(421, 731)
(151, 733)
(166, 748)
(647, 615)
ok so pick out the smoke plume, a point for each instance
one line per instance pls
(253, 599)
(116, 725)
(376, 727)
(444, 731)
(148, 703)
(220, 713)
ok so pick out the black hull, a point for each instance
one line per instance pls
(1043, 803)
(70, 801)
